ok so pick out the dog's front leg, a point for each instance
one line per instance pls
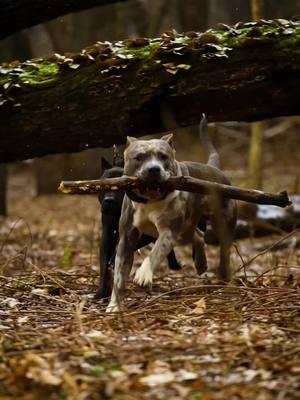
(107, 252)
(129, 236)
(224, 223)
(162, 247)
(123, 265)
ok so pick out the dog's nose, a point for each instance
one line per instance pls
(154, 170)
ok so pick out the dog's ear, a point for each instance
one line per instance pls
(118, 159)
(169, 139)
(105, 164)
(129, 140)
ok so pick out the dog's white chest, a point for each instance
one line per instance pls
(147, 216)
(145, 219)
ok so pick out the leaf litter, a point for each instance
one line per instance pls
(191, 338)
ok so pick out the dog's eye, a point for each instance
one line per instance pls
(138, 158)
(163, 157)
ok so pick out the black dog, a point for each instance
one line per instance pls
(111, 204)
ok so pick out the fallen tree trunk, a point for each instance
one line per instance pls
(185, 183)
(69, 103)
(19, 14)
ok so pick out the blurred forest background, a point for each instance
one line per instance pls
(150, 18)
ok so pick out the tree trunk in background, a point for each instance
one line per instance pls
(139, 17)
(3, 184)
(96, 98)
(43, 40)
(3, 167)
(193, 15)
(255, 166)
(50, 170)
(155, 26)
(11, 47)
(228, 12)
(281, 9)
(219, 11)
(20, 14)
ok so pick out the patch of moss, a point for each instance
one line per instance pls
(141, 53)
(37, 74)
(145, 52)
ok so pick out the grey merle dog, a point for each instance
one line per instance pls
(171, 217)
(111, 204)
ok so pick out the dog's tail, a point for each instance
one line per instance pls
(213, 155)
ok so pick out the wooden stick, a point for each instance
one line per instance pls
(184, 183)
(98, 185)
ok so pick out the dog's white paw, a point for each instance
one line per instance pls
(112, 308)
(144, 274)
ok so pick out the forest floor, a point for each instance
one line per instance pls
(189, 339)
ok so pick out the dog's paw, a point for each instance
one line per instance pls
(112, 308)
(201, 268)
(144, 274)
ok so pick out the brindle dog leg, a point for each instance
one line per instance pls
(129, 236)
(123, 265)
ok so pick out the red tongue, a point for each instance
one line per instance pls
(152, 193)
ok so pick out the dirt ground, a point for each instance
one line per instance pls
(189, 339)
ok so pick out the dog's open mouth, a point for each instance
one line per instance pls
(149, 191)
(152, 192)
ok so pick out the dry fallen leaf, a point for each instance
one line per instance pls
(43, 376)
(200, 306)
(97, 335)
(158, 379)
(241, 342)
(22, 320)
(10, 302)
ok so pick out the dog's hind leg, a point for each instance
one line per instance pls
(173, 262)
(224, 267)
(226, 239)
(199, 252)
(224, 224)
(162, 247)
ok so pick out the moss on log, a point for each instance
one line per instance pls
(250, 71)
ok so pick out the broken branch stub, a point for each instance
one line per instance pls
(184, 183)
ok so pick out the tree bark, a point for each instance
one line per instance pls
(255, 163)
(69, 103)
(20, 14)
